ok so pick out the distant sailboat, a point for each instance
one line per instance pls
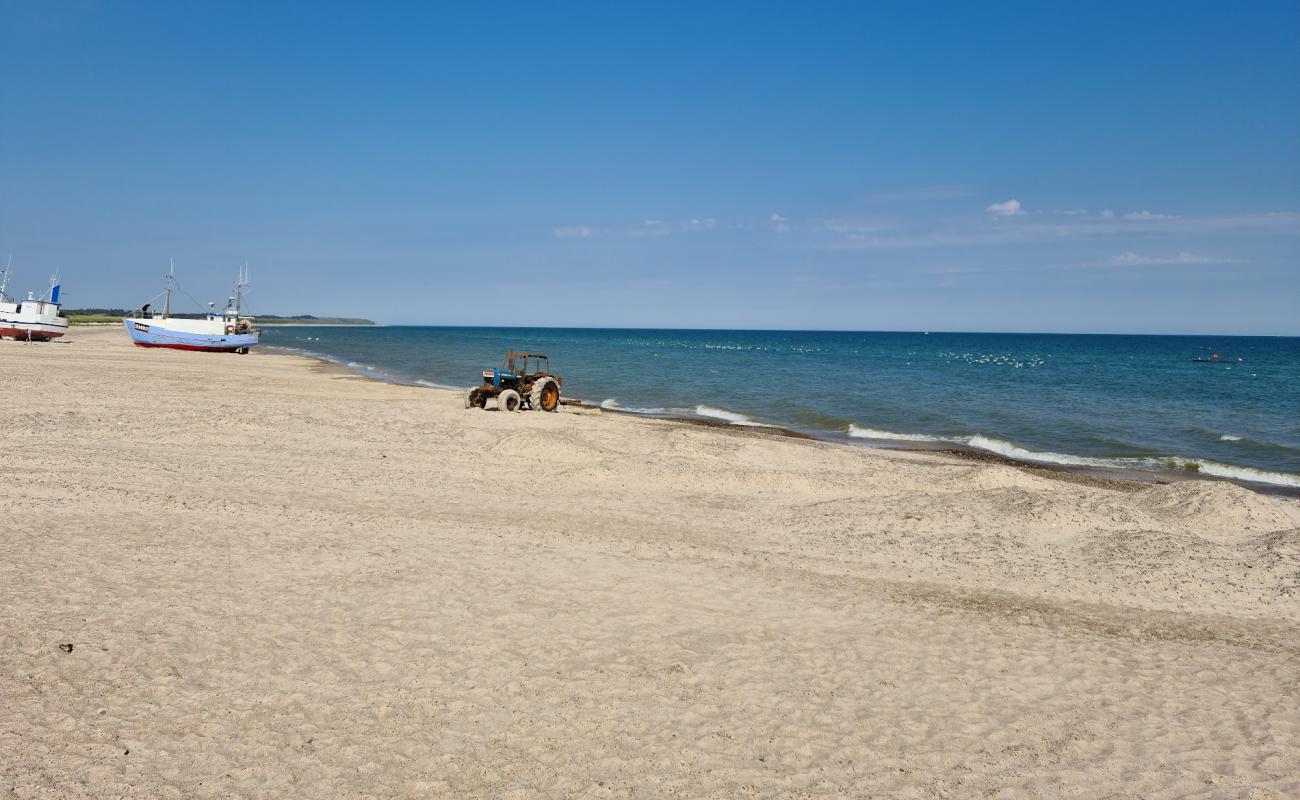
(33, 320)
(226, 332)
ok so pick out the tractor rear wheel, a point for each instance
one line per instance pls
(508, 400)
(545, 395)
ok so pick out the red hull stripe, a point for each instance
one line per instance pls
(21, 333)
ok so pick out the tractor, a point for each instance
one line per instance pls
(524, 380)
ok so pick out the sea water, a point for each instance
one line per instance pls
(1084, 400)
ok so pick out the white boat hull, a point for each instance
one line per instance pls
(174, 334)
(34, 320)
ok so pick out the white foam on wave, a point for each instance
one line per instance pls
(612, 404)
(1238, 473)
(1013, 451)
(1228, 437)
(1010, 450)
(1198, 466)
(859, 432)
(727, 416)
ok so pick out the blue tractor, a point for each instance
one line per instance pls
(524, 380)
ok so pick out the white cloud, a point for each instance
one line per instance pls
(779, 223)
(572, 232)
(1147, 215)
(853, 226)
(1131, 259)
(651, 227)
(1008, 209)
(1107, 214)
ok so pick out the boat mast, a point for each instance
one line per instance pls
(4, 277)
(240, 283)
(171, 276)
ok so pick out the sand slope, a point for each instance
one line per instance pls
(313, 585)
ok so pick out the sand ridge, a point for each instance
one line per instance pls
(312, 584)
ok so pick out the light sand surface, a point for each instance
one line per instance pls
(282, 580)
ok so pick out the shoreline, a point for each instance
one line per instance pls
(1104, 475)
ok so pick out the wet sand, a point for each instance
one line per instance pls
(278, 579)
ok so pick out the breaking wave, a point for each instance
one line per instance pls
(727, 416)
(1237, 473)
(612, 404)
(1013, 451)
(1199, 466)
(1010, 450)
(859, 432)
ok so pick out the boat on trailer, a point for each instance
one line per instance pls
(227, 331)
(34, 319)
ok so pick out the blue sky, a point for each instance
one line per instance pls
(1126, 167)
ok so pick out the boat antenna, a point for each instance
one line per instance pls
(4, 277)
(171, 278)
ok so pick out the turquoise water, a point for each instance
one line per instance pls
(1092, 401)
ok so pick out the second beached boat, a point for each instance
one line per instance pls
(33, 319)
(226, 331)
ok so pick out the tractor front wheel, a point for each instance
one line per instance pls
(545, 395)
(508, 400)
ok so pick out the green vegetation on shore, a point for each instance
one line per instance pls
(88, 316)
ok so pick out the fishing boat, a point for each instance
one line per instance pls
(225, 331)
(34, 319)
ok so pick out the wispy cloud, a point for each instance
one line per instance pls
(1147, 215)
(572, 232)
(1030, 228)
(646, 227)
(1006, 223)
(699, 224)
(1010, 208)
(651, 227)
(849, 226)
(1131, 259)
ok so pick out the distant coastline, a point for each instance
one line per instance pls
(92, 316)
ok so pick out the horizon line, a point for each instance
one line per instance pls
(809, 330)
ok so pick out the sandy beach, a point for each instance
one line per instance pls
(263, 576)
